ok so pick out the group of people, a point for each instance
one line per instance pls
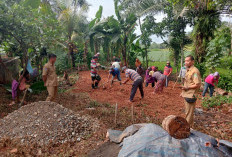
(190, 75)
(158, 79)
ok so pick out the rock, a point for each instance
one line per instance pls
(15, 150)
(44, 122)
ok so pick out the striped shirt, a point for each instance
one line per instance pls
(132, 74)
(93, 65)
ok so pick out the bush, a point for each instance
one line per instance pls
(216, 101)
(225, 81)
(37, 87)
(201, 67)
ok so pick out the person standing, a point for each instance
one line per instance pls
(160, 79)
(167, 72)
(138, 82)
(183, 71)
(191, 86)
(95, 77)
(50, 78)
(210, 82)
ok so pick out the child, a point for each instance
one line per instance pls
(149, 79)
(210, 83)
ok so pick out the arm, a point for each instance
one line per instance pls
(126, 80)
(170, 71)
(191, 87)
(44, 78)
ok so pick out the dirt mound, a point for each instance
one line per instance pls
(44, 122)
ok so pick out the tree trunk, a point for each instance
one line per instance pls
(182, 55)
(85, 51)
(231, 40)
(95, 47)
(146, 57)
(124, 50)
(71, 53)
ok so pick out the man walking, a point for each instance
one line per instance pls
(191, 86)
(167, 72)
(138, 82)
(50, 77)
(95, 77)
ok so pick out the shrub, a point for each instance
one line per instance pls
(216, 101)
(225, 81)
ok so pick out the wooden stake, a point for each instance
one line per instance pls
(24, 96)
(132, 112)
(116, 113)
(175, 82)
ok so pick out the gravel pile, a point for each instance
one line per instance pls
(44, 122)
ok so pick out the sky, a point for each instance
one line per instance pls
(108, 10)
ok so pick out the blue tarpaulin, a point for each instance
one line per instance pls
(150, 140)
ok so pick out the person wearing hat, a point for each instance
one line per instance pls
(115, 72)
(138, 82)
(148, 76)
(210, 82)
(95, 77)
(167, 72)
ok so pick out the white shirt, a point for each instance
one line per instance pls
(116, 65)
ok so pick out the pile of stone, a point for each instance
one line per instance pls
(45, 122)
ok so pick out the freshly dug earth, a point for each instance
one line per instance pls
(44, 122)
(176, 126)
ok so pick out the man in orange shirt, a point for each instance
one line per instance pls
(167, 72)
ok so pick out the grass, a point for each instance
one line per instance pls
(161, 65)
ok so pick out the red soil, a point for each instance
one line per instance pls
(158, 105)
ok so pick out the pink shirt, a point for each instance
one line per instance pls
(167, 70)
(210, 79)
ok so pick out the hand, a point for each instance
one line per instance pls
(185, 88)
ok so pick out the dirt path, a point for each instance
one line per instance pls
(160, 106)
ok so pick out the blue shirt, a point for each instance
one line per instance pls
(114, 71)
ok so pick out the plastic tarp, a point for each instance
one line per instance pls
(150, 140)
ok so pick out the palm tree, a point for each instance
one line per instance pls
(72, 15)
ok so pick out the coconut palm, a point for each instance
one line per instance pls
(72, 16)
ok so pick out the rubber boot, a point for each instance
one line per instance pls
(96, 85)
(93, 86)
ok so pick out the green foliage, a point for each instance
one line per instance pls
(225, 81)
(226, 62)
(218, 47)
(202, 68)
(61, 62)
(216, 101)
(38, 87)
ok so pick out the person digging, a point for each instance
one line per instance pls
(115, 72)
(95, 77)
(138, 82)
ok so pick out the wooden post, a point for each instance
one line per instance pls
(24, 96)
(132, 112)
(116, 113)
